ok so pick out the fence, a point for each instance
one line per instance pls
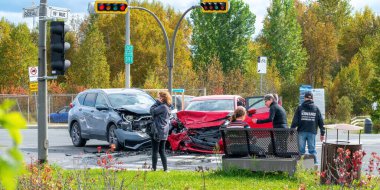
(27, 104)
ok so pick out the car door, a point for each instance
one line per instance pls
(256, 109)
(100, 118)
(88, 108)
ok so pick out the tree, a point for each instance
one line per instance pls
(90, 68)
(359, 27)
(282, 35)
(17, 52)
(224, 36)
(334, 11)
(320, 41)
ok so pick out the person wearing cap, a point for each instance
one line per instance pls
(277, 113)
(307, 118)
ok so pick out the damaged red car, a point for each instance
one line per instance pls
(196, 129)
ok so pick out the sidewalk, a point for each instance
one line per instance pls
(50, 125)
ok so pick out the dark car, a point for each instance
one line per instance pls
(61, 116)
(119, 116)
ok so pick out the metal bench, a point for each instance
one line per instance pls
(262, 149)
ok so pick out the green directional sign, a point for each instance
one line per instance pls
(128, 54)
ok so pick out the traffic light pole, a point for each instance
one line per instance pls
(173, 47)
(166, 42)
(127, 42)
(42, 85)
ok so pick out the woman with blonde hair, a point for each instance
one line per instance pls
(161, 117)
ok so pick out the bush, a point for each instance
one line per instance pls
(343, 109)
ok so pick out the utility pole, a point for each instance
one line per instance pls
(127, 42)
(43, 142)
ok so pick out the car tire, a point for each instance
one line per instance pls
(112, 139)
(76, 136)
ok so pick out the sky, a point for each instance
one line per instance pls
(12, 9)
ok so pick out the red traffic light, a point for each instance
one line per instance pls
(111, 7)
(215, 6)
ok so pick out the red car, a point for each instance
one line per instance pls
(196, 128)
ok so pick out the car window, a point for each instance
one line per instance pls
(81, 98)
(211, 105)
(90, 99)
(118, 100)
(62, 110)
(100, 100)
(255, 102)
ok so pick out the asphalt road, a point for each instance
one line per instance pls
(64, 154)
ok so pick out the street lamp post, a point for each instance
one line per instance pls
(168, 63)
(170, 67)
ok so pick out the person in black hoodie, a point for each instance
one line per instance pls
(277, 113)
(161, 118)
(307, 118)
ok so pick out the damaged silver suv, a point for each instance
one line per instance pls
(119, 116)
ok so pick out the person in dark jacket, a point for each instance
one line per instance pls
(277, 113)
(307, 118)
(161, 116)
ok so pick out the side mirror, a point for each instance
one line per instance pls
(101, 107)
(252, 111)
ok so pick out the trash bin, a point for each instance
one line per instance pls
(367, 126)
(335, 159)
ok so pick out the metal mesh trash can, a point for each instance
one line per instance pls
(338, 163)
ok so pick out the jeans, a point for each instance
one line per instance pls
(309, 138)
(159, 147)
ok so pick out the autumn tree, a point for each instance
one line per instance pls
(320, 42)
(17, 52)
(225, 36)
(90, 69)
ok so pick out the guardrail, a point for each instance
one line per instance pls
(359, 120)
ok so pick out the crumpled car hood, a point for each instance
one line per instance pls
(200, 119)
(138, 108)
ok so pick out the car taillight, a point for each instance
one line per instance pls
(71, 105)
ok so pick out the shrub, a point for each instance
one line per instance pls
(343, 109)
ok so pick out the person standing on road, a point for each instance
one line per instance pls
(161, 118)
(307, 118)
(277, 113)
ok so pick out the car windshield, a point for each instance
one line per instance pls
(118, 100)
(211, 105)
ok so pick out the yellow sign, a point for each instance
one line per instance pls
(33, 87)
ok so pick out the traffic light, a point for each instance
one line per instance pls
(215, 6)
(111, 7)
(58, 46)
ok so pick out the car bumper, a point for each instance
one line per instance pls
(133, 139)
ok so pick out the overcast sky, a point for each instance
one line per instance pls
(12, 9)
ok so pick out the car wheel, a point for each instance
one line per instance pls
(112, 139)
(76, 136)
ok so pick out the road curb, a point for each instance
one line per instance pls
(49, 126)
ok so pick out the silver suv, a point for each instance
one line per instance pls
(119, 116)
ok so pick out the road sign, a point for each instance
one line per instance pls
(57, 12)
(33, 74)
(30, 12)
(33, 87)
(128, 54)
(262, 65)
(319, 99)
